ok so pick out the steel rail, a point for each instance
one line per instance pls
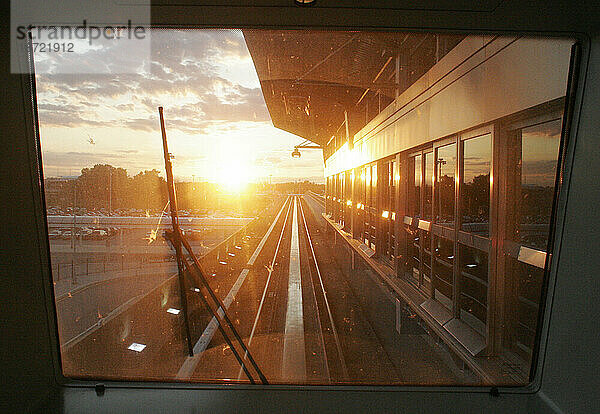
(312, 284)
(333, 328)
(270, 270)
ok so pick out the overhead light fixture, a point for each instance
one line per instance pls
(304, 3)
(295, 153)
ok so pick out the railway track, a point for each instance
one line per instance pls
(323, 293)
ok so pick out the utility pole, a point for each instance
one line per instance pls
(73, 241)
(110, 192)
(440, 162)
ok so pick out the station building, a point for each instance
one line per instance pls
(442, 161)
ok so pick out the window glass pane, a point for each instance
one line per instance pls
(414, 258)
(426, 262)
(443, 271)
(473, 287)
(522, 324)
(428, 186)
(538, 171)
(307, 293)
(475, 188)
(445, 183)
(415, 186)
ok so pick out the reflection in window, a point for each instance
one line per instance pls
(443, 264)
(475, 188)
(539, 155)
(445, 182)
(428, 186)
(414, 196)
(473, 287)
(414, 256)
(524, 310)
(426, 265)
(531, 178)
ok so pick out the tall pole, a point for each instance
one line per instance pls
(110, 192)
(73, 241)
(176, 231)
(440, 162)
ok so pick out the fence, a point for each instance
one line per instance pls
(75, 268)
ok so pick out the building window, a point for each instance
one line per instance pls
(387, 210)
(445, 184)
(443, 271)
(531, 174)
(414, 191)
(428, 186)
(473, 287)
(418, 225)
(539, 153)
(475, 186)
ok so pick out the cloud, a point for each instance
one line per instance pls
(185, 64)
(207, 84)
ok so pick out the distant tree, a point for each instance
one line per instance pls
(476, 198)
(148, 191)
(101, 186)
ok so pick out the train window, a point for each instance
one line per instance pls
(405, 241)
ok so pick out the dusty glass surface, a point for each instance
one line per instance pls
(326, 221)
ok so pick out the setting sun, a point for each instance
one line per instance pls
(233, 173)
(234, 177)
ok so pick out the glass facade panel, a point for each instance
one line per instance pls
(443, 271)
(539, 155)
(525, 304)
(475, 187)
(531, 177)
(445, 184)
(426, 259)
(414, 257)
(414, 188)
(428, 186)
(473, 287)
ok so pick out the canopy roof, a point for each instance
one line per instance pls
(309, 77)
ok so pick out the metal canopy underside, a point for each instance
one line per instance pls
(309, 78)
